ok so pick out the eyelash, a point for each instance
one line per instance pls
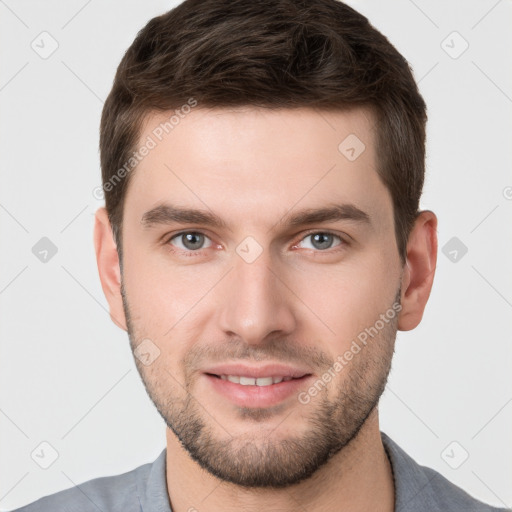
(341, 246)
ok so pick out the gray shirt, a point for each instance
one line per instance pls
(144, 489)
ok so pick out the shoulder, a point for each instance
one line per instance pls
(452, 497)
(421, 489)
(108, 493)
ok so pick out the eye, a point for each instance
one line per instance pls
(194, 241)
(190, 241)
(322, 240)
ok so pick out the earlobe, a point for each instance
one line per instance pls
(419, 270)
(107, 259)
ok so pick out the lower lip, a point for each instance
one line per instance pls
(257, 396)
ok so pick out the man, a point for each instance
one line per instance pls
(261, 244)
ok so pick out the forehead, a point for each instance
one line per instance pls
(258, 163)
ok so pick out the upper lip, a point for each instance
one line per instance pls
(263, 370)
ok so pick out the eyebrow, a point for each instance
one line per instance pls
(166, 213)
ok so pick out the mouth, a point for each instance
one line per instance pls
(256, 387)
(256, 381)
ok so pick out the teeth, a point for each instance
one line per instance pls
(252, 381)
(264, 381)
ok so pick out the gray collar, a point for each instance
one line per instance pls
(413, 490)
(152, 493)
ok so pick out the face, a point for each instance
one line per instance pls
(269, 325)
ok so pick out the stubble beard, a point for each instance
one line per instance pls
(270, 461)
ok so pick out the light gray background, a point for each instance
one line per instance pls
(67, 376)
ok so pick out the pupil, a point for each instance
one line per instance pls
(326, 243)
(189, 240)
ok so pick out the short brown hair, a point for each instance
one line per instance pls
(275, 54)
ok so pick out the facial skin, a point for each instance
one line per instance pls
(300, 303)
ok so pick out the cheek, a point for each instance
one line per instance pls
(147, 292)
(168, 305)
(342, 301)
(151, 283)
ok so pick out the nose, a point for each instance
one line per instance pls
(256, 302)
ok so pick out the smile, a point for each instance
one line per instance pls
(252, 381)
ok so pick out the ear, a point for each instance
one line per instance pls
(107, 259)
(418, 273)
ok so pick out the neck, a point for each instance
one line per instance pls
(357, 478)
